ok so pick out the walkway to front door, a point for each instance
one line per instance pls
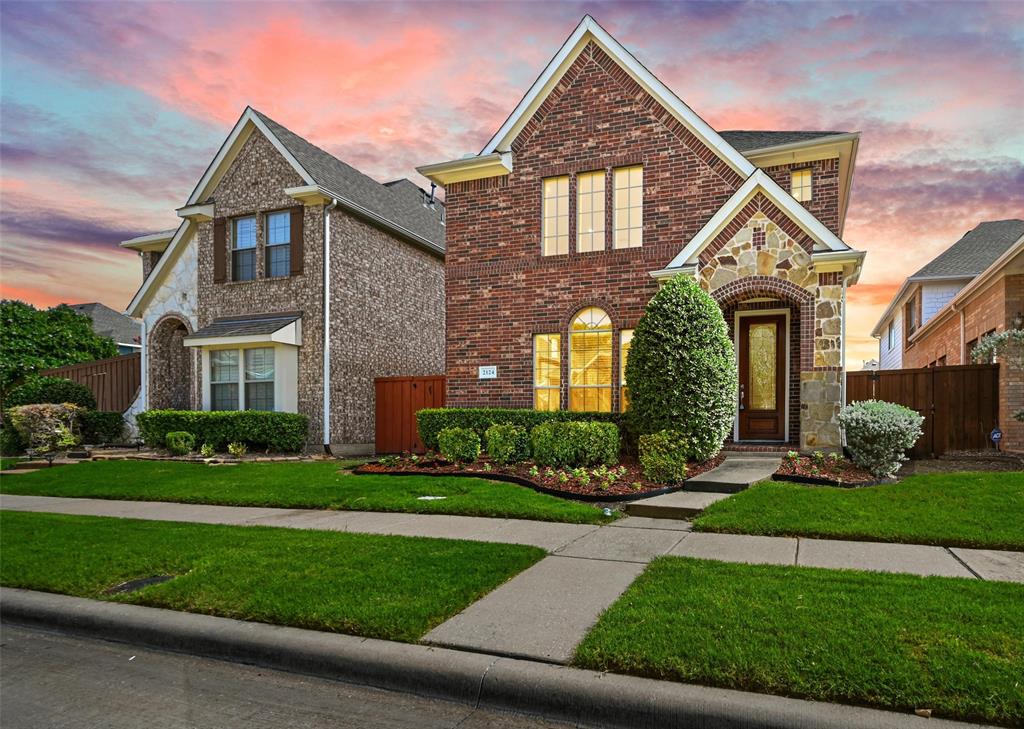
(762, 369)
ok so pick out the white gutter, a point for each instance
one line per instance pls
(326, 324)
(144, 366)
(842, 346)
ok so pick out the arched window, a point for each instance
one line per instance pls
(590, 361)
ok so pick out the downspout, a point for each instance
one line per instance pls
(326, 326)
(842, 358)
(963, 336)
(144, 366)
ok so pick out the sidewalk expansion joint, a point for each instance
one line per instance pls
(967, 567)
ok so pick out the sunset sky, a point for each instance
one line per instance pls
(111, 111)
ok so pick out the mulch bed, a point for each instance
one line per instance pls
(805, 469)
(628, 484)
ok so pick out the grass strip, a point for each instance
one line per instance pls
(984, 510)
(391, 587)
(890, 641)
(297, 485)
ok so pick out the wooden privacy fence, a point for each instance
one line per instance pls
(114, 382)
(397, 400)
(960, 404)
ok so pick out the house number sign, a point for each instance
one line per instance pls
(488, 372)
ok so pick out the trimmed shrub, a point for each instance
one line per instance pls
(507, 443)
(432, 421)
(36, 390)
(258, 429)
(879, 433)
(681, 369)
(663, 456)
(180, 442)
(11, 442)
(101, 426)
(459, 445)
(237, 449)
(573, 444)
(47, 427)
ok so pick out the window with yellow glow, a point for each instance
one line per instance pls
(590, 361)
(625, 339)
(590, 212)
(800, 185)
(547, 371)
(629, 207)
(556, 216)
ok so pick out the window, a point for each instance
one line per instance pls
(629, 207)
(625, 340)
(891, 335)
(556, 217)
(547, 371)
(910, 316)
(590, 212)
(800, 185)
(279, 249)
(259, 379)
(243, 249)
(590, 361)
(224, 379)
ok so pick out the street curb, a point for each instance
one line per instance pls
(476, 679)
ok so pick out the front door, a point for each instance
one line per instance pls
(762, 355)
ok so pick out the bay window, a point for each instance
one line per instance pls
(246, 387)
(224, 379)
(259, 378)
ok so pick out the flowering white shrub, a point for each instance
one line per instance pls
(878, 434)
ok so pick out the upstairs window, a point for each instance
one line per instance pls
(590, 361)
(590, 212)
(547, 371)
(891, 336)
(800, 185)
(555, 234)
(629, 207)
(243, 249)
(910, 317)
(279, 239)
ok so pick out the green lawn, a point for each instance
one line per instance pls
(390, 587)
(298, 485)
(950, 509)
(891, 641)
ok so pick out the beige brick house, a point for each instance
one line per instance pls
(291, 283)
(601, 183)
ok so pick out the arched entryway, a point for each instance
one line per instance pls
(171, 365)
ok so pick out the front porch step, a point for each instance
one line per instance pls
(677, 505)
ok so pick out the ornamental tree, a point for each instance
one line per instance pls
(681, 369)
(1008, 345)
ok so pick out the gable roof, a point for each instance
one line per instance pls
(745, 141)
(590, 30)
(107, 322)
(974, 252)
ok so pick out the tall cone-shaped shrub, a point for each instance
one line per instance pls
(681, 369)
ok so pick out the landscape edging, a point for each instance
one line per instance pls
(476, 679)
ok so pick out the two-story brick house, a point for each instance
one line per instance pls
(291, 283)
(601, 183)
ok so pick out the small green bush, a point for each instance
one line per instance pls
(180, 442)
(11, 442)
(574, 444)
(258, 429)
(507, 443)
(663, 456)
(432, 421)
(879, 434)
(237, 449)
(41, 389)
(459, 445)
(99, 427)
(207, 451)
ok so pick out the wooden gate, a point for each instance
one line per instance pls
(398, 399)
(114, 382)
(960, 404)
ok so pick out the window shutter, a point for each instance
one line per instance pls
(297, 239)
(220, 245)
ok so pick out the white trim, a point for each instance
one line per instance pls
(468, 168)
(736, 345)
(803, 144)
(667, 273)
(290, 334)
(134, 306)
(198, 213)
(149, 241)
(587, 30)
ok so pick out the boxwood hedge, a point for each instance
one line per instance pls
(258, 429)
(433, 420)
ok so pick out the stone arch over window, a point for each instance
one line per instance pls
(591, 360)
(171, 365)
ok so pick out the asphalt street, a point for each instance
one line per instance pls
(55, 680)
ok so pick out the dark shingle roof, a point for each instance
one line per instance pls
(109, 323)
(394, 203)
(976, 251)
(744, 141)
(244, 326)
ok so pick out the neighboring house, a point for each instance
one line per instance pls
(602, 183)
(870, 365)
(929, 291)
(240, 310)
(985, 269)
(125, 331)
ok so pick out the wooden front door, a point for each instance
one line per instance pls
(762, 355)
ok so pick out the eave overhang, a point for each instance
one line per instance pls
(149, 242)
(201, 213)
(479, 167)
